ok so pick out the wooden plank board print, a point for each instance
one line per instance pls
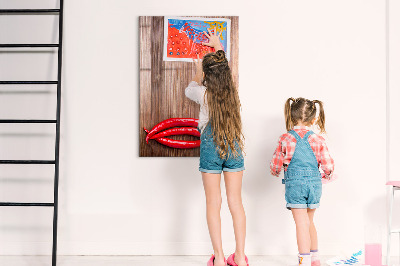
(163, 83)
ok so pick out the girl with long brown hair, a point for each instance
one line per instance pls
(221, 147)
(301, 153)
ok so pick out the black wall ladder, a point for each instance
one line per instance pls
(57, 82)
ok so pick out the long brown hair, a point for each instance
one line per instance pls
(223, 104)
(303, 110)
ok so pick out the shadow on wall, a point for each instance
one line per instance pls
(375, 220)
(263, 193)
(187, 211)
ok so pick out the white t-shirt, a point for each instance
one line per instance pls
(196, 93)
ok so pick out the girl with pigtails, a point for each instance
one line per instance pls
(302, 154)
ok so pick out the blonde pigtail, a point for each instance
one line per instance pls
(321, 116)
(288, 114)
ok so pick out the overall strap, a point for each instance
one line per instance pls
(308, 134)
(294, 133)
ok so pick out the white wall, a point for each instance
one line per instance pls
(113, 202)
(394, 110)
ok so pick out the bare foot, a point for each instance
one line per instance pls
(219, 261)
(240, 260)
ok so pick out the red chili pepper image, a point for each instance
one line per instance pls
(177, 131)
(181, 144)
(172, 122)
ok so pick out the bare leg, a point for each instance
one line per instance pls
(302, 221)
(212, 188)
(313, 230)
(233, 183)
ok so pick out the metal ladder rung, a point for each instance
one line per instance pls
(32, 45)
(28, 204)
(27, 161)
(29, 82)
(395, 231)
(7, 11)
(27, 121)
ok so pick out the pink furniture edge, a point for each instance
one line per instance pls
(393, 183)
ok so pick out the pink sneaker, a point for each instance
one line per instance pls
(211, 261)
(231, 260)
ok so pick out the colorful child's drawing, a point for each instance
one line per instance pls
(183, 37)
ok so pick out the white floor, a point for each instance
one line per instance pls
(143, 260)
(136, 260)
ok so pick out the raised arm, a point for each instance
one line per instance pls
(213, 41)
(199, 70)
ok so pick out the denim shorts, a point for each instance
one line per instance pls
(303, 193)
(210, 160)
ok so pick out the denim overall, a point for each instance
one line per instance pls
(302, 181)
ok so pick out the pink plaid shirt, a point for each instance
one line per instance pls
(287, 144)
